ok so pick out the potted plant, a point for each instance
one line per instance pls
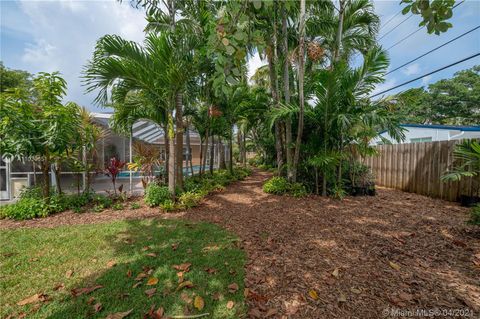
(362, 180)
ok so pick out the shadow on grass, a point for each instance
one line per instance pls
(152, 247)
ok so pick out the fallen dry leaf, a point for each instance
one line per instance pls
(335, 273)
(69, 273)
(158, 314)
(211, 270)
(355, 290)
(180, 276)
(230, 304)
(185, 267)
(140, 276)
(185, 284)
(80, 291)
(111, 263)
(394, 265)
(198, 302)
(150, 292)
(232, 288)
(255, 312)
(32, 299)
(270, 312)
(137, 284)
(119, 315)
(90, 300)
(312, 293)
(145, 248)
(405, 296)
(152, 281)
(59, 286)
(246, 292)
(97, 307)
(185, 297)
(174, 246)
(342, 298)
(152, 255)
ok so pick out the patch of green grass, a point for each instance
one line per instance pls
(36, 260)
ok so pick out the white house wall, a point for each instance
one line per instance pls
(434, 133)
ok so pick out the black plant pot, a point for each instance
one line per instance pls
(371, 190)
(359, 191)
(469, 201)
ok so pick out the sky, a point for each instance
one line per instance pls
(60, 35)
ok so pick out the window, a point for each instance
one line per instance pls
(420, 139)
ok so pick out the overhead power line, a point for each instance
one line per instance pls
(412, 33)
(435, 49)
(391, 30)
(433, 72)
(390, 20)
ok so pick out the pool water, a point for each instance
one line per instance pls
(196, 168)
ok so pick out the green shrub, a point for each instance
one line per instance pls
(102, 200)
(25, 208)
(32, 192)
(98, 208)
(280, 185)
(276, 185)
(155, 194)
(168, 205)
(190, 199)
(134, 206)
(117, 206)
(298, 190)
(475, 216)
(338, 192)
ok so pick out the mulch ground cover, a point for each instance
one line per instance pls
(314, 257)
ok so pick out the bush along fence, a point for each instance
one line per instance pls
(418, 168)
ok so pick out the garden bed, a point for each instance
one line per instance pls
(316, 257)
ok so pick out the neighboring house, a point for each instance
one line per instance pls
(416, 133)
(15, 175)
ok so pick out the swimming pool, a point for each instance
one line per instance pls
(186, 171)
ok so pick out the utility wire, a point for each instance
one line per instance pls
(420, 77)
(391, 30)
(390, 20)
(435, 49)
(420, 28)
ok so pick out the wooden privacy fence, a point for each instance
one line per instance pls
(417, 168)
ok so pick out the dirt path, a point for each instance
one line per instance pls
(362, 256)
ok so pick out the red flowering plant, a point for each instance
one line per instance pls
(113, 169)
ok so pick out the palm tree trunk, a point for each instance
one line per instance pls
(221, 155)
(338, 41)
(167, 151)
(301, 61)
(286, 93)
(179, 141)
(188, 146)
(212, 154)
(230, 151)
(244, 161)
(205, 152)
(272, 64)
(171, 157)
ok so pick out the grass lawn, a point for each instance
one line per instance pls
(122, 257)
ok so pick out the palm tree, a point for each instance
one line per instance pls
(159, 70)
